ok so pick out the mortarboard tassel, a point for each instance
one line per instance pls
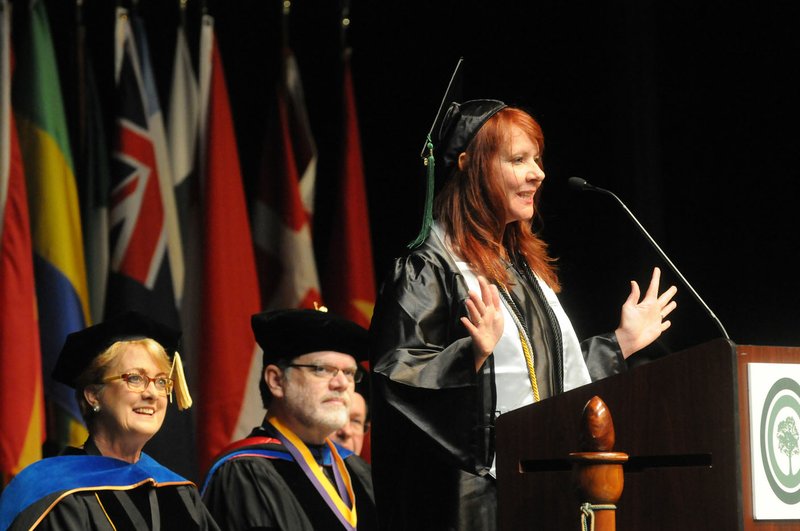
(181, 389)
(427, 219)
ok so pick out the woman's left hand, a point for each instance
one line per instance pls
(643, 321)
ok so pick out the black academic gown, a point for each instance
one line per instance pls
(82, 490)
(269, 490)
(433, 416)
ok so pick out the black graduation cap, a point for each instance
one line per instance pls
(286, 334)
(83, 346)
(460, 124)
(453, 132)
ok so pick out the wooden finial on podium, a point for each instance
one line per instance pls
(597, 470)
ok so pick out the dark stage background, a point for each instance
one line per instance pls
(687, 110)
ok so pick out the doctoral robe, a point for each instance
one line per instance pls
(256, 484)
(92, 492)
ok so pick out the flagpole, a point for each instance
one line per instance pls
(287, 7)
(182, 4)
(345, 24)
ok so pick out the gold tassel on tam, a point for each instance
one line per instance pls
(181, 388)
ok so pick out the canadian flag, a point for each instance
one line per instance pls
(282, 215)
(283, 210)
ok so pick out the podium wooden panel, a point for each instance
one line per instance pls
(682, 419)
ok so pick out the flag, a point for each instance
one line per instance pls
(282, 213)
(60, 270)
(91, 166)
(155, 123)
(182, 137)
(140, 275)
(183, 130)
(230, 357)
(348, 280)
(21, 388)
(143, 221)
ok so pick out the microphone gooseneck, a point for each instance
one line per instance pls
(582, 185)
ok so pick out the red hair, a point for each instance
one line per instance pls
(471, 206)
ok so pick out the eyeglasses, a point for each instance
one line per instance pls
(139, 382)
(353, 374)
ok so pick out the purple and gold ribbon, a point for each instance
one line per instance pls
(342, 500)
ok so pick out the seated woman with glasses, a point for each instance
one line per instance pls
(124, 371)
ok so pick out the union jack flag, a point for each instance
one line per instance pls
(137, 214)
(138, 231)
(146, 263)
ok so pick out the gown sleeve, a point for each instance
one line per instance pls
(422, 357)
(603, 356)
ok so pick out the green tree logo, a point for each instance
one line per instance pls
(780, 439)
(787, 440)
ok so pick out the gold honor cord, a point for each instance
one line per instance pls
(527, 349)
(311, 465)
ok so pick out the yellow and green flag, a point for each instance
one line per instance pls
(59, 265)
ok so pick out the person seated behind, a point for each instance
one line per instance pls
(289, 474)
(123, 370)
(354, 432)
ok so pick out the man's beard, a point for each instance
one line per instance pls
(328, 415)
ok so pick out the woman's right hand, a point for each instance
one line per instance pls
(485, 321)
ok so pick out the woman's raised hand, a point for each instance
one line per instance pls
(485, 321)
(643, 321)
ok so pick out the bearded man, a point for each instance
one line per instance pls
(288, 474)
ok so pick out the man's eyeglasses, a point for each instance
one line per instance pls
(139, 382)
(353, 374)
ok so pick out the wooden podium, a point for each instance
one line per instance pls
(684, 422)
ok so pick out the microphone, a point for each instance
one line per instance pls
(581, 185)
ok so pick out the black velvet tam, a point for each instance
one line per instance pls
(285, 334)
(81, 347)
(460, 124)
